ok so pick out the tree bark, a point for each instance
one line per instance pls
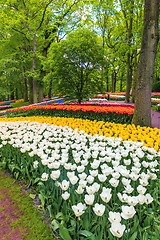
(34, 71)
(142, 112)
(25, 87)
(30, 81)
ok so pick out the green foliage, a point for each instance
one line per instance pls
(91, 115)
(76, 63)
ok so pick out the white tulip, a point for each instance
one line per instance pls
(102, 177)
(64, 185)
(114, 217)
(79, 209)
(127, 162)
(148, 198)
(117, 229)
(81, 168)
(93, 173)
(82, 176)
(35, 164)
(73, 180)
(132, 201)
(90, 190)
(82, 183)
(122, 197)
(89, 199)
(125, 181)
(99, 209)
(79, 190)
(65, 195)
(129, 189)
(141, 199)
(141, 189)
(96, 186)
(55, 174)
(90, 179)
(106, 194)
(128, 212)
(44, 177)
(70, 174)
(114, 182)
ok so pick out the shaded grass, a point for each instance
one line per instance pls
(31, 220)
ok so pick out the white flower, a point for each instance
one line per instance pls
(96, 186)
(44, 177)
(70, 174)
(143, 182)
(115, 175)
(127, 162)
(117, 229)
(84, 162)
(81, 168)
(114, 182)
(79, 209)
(89, 199)
(79, 190)
(95, 164)
(128, 212)
(90, 190)
(141, 199)
(114, 217)
(82, 183)
(129, 189)
(55, 165)
(64, 185)
(132, 201)
(82, 175)
(141, 189)
(99, 209)
(90, 179)
(115, 163)
(35, 164)
(148, 198)
(55, 174)
(126, 181)
(106, 194)
(134, 176)
(93, 173)
(65, 195)
(74, 180)
(145, 164)
(122, 198)
(102, 177)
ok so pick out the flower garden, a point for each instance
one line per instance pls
(95, 173)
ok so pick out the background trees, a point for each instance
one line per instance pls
(76, 64)
(29, 30)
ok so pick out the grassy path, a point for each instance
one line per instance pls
(19, 219)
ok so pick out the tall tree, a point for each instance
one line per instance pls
(142, 112)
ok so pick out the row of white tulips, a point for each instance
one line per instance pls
(96, 166)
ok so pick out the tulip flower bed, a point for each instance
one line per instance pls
(5, 107)
(118, 114)
(94, 186)
(7, 102)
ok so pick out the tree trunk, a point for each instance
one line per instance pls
(142, 112)
(25, 87)
(50, 89)
(113, 81)
(129, 78)
(134, 78)
(34, 71)
(121, 81)
(30, 81)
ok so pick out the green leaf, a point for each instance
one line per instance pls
(55, 225)
(64, 233)
(87, 234)
(134, 236)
